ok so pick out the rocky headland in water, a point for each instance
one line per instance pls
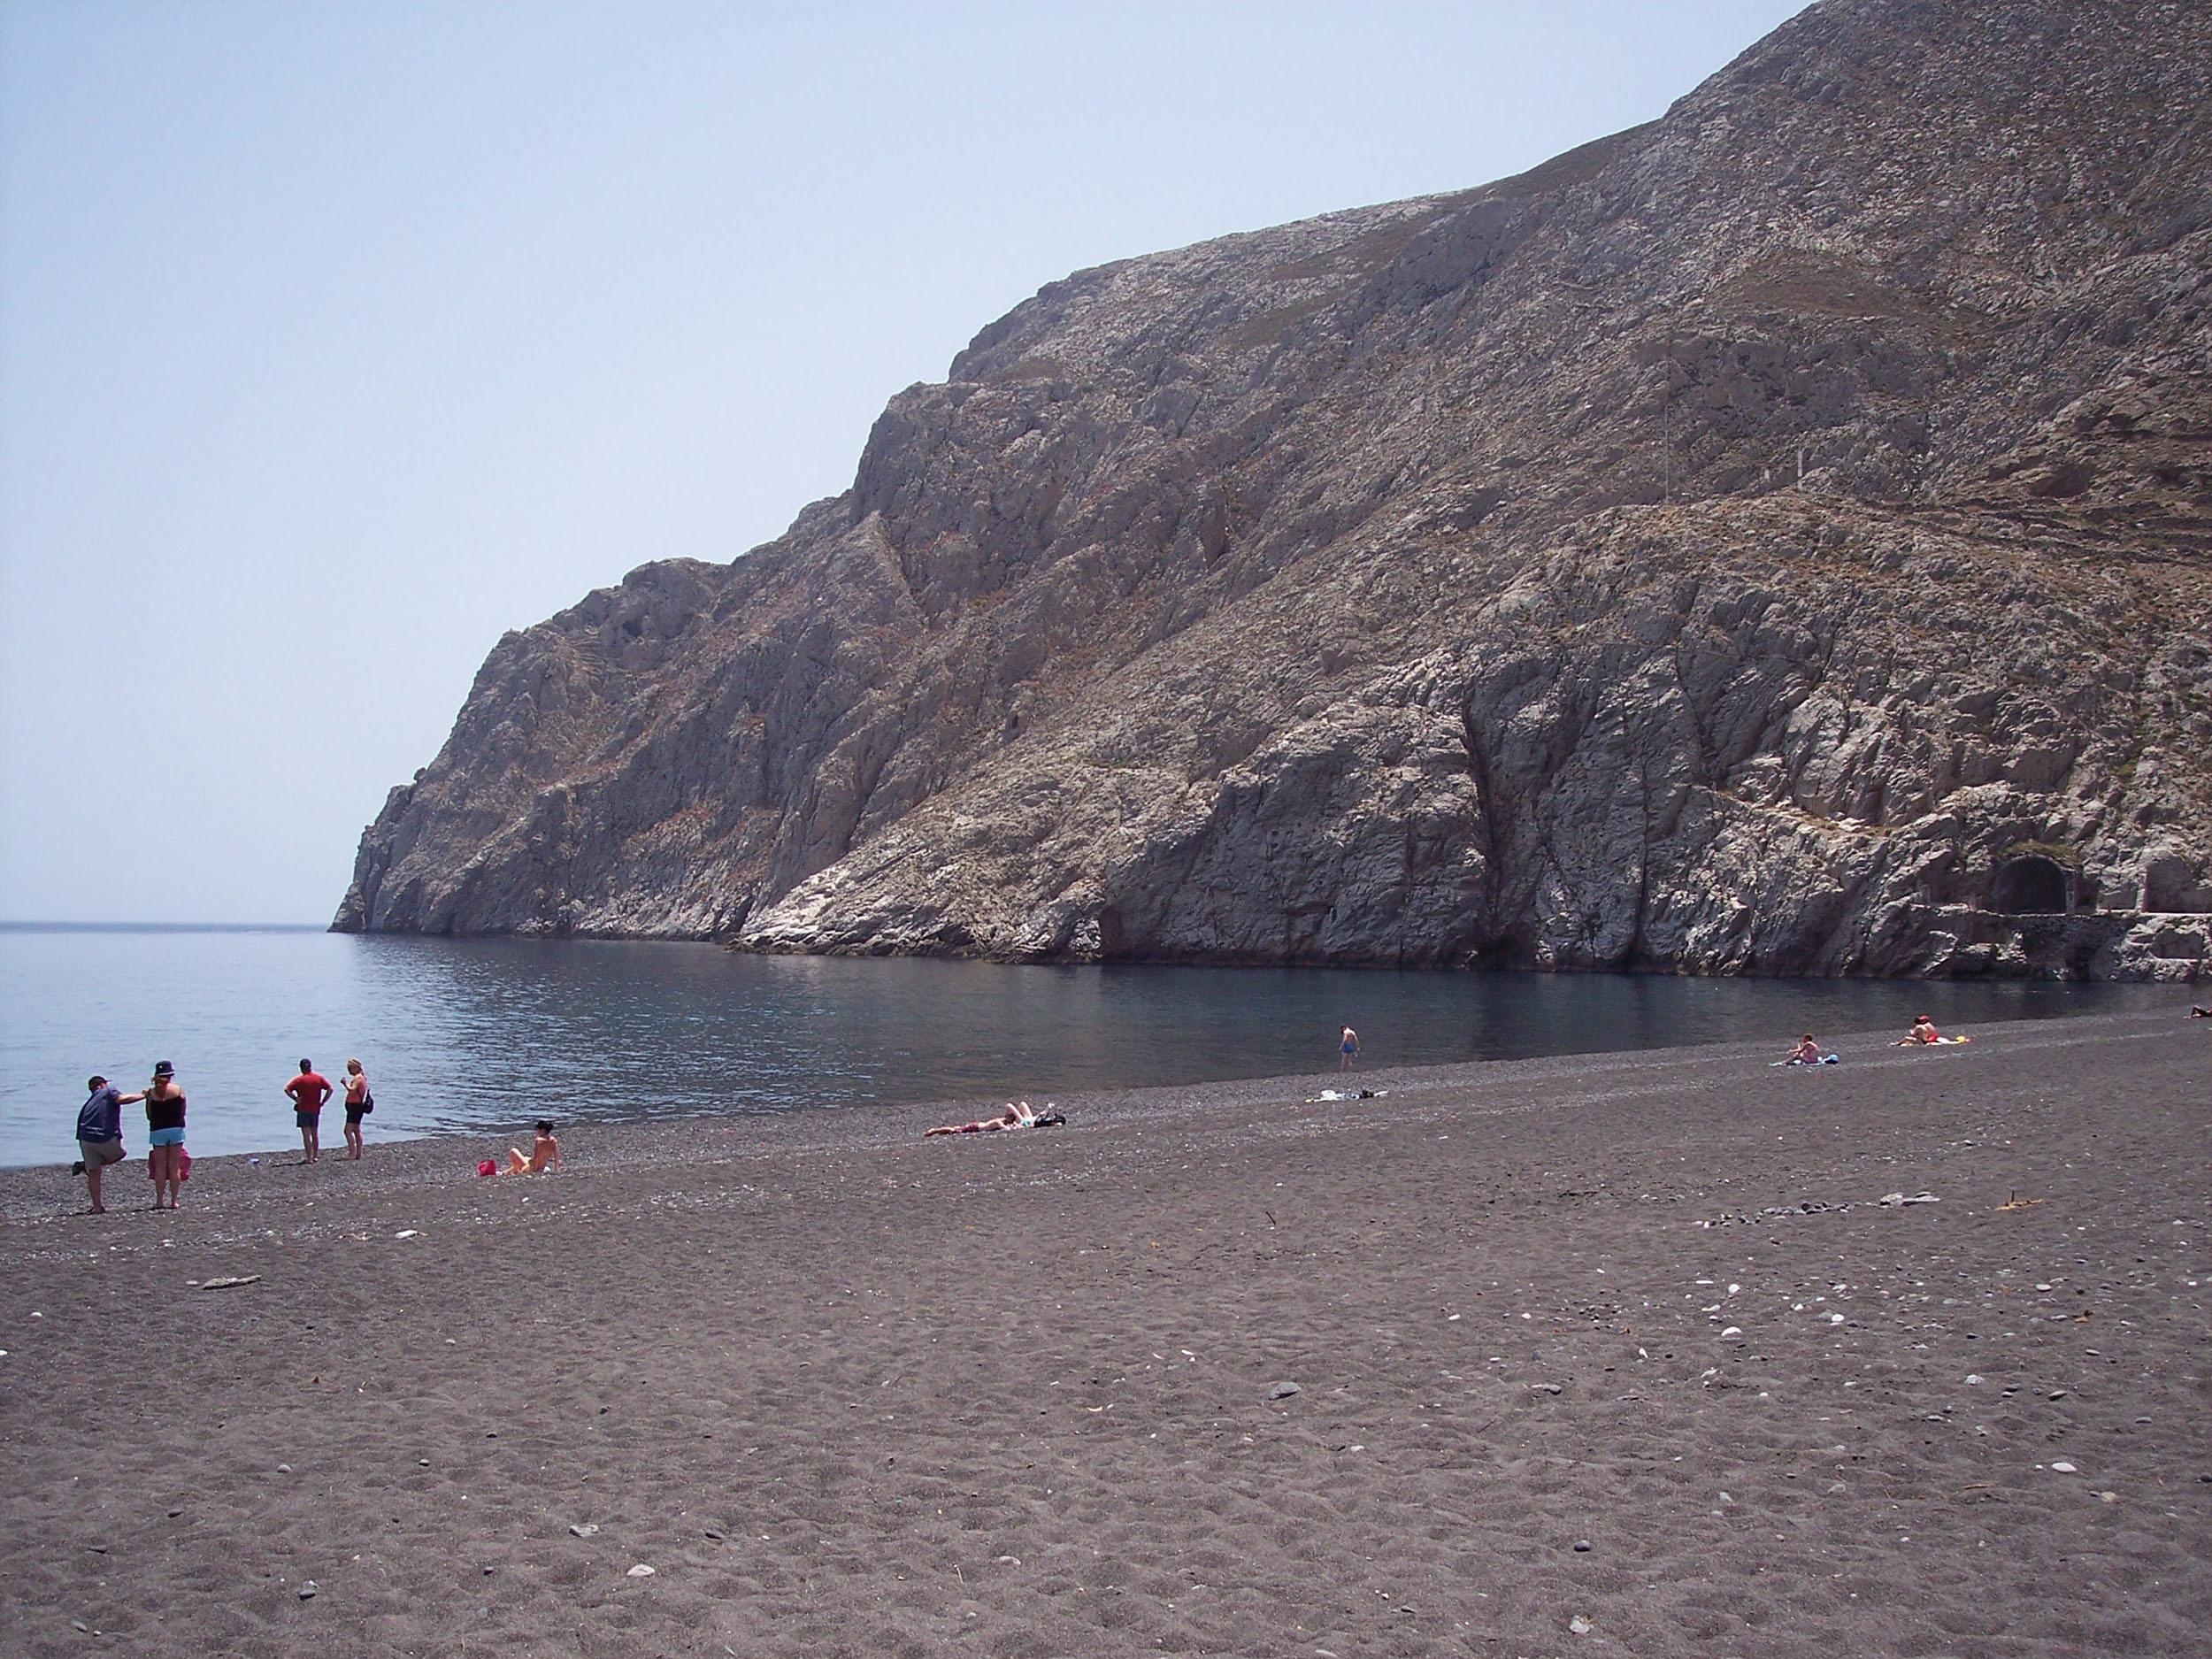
(1771, 539)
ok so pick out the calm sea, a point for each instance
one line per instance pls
(460, 1034)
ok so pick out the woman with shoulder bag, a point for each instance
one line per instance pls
(359, 1105)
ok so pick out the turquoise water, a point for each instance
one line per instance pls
(461, 1035)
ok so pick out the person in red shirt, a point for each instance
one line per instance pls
(309, 1090)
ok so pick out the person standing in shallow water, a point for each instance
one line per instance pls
(309, 1090)
(1346, 1049)
(164, 1134)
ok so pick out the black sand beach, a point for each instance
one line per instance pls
(1621, 1354)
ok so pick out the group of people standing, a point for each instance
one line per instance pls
(310, 1090)
(100, 1134)
(100, 1125)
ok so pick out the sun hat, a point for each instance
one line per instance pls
(162, 1068)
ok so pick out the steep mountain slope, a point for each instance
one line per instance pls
(1771, 539)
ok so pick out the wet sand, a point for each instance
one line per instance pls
(1629, 1342)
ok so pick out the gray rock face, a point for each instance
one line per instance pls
(1773, 540)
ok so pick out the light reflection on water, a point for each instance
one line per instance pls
(459, 1034)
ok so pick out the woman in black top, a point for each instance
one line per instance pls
(164, 1134)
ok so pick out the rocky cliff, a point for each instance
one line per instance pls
(1772, 540)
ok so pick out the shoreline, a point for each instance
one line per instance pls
(1030, 1393)
(1859, 1041)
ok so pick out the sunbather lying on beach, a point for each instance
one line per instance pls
(1016, 1115)
(1924, 1031)
(545, 1153)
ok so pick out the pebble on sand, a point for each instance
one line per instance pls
(307, 1591)
(1282, 1391)
(640, 1571)
(585, 1529)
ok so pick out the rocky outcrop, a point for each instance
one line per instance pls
(1773, 540)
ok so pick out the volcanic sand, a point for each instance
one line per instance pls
(845, 1390)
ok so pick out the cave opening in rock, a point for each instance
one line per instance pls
(2030, 885)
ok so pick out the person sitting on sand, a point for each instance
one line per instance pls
(1807, 1051)
(1016, 1115)
(545, 1153)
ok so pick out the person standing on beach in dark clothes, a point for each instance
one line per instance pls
(100, 1133)
(164, 1134)
(309, 1090)
(1346, 1049)
(359, 1105)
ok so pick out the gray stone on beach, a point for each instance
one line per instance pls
(1282, 1391)
(585, 1529)
(307, 1591)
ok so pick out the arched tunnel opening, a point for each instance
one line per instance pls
(2031, 885)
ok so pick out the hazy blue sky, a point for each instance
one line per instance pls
(336, 339)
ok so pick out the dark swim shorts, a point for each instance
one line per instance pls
(307, 1120)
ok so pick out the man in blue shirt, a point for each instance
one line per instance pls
(100, 1133)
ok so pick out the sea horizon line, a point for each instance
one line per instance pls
(8, 925)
